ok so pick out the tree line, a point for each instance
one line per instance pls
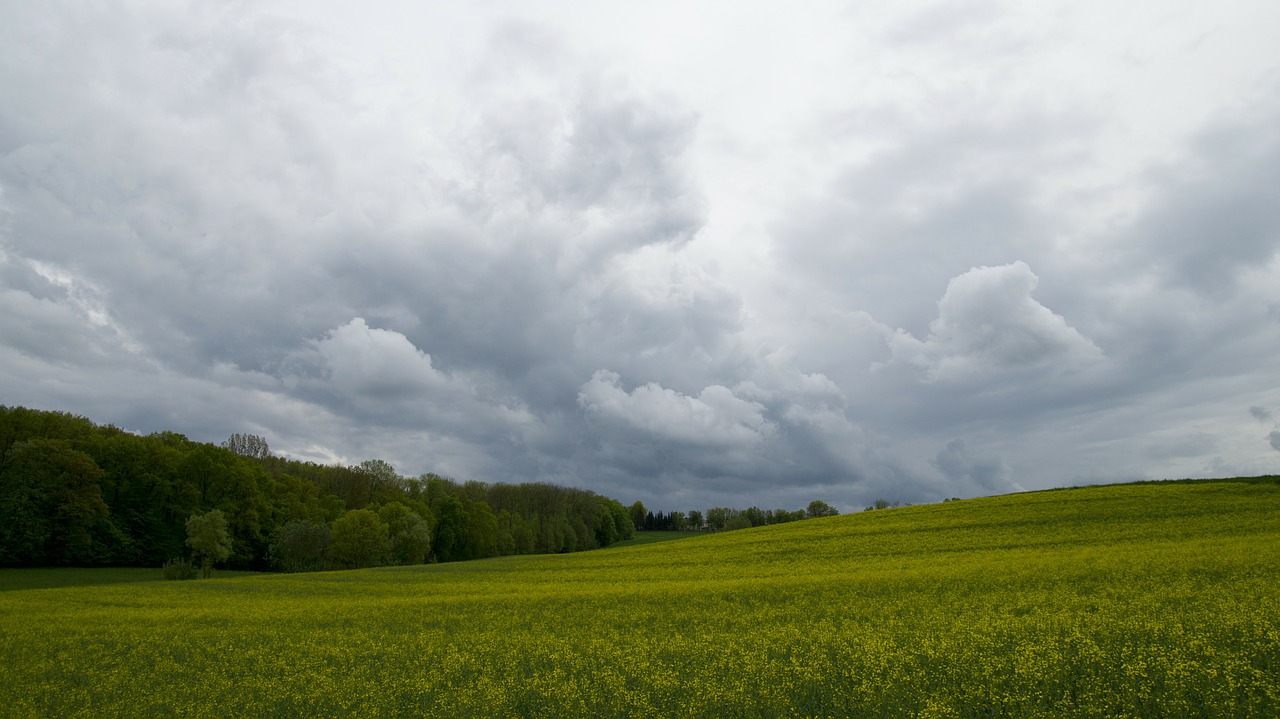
(723, 518)
(74, 493)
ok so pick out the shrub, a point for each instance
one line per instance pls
(179, 568)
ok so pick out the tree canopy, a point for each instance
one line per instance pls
(207, 536)
(74, 493)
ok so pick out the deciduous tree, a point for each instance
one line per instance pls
(360, 539)
(819, 508)
(300, 545)
(207, 536)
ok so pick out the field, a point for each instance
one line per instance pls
(1159, 600)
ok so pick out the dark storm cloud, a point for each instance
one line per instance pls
(970, 473)
(495, 266)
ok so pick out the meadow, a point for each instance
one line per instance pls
(1142, 600)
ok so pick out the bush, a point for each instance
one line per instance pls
(180, 568)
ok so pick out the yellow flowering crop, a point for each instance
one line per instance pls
(1159, 600)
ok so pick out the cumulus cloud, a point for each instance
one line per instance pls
(988, 323)
(376, 363)
(715, 417)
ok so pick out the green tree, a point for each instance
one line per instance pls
(693, 520)
(819, 508)
(675, 521)
(207, 536)
(623, 527)
(360, 539)
(51, 506)
(482, 531)
(300, 545)
(717, 516)
(452, 530)
(410, 533)
(638, 512)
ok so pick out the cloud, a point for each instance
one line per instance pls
(1274, 440)
(478, 241)
(1262, 414)
(376, 363)
(1220, 192)
(988, 323)
(967, 471)
(714, 418)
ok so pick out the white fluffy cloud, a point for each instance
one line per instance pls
(715, 417)
(379, 364)
(989, 323)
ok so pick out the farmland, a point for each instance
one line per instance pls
(1158, 599)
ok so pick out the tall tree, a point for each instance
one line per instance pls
(452, 530)
(693, 520)
(248, 445)
(360, 539)
(207, 536)
(51, 506)
(410, 534)
(300, 545)
(638, 513)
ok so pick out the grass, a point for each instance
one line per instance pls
(1159, 600)
(49, 578)
(652, 537)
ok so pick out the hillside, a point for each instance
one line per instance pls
(1158, 599)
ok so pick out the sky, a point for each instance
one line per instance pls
(693, 254)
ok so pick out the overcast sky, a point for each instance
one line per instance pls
(695, 254)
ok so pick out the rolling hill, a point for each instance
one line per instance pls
(1152, 599)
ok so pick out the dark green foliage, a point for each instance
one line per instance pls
(360, 539)
(819, 508)
(75, 493)
(209, 540)
(694, 521)
(638, 513)
(451, 537)
(410, 534)
(51, 507)
(720, 518)
(300, 545)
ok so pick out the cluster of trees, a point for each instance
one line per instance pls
(724, 518)
(73, 493)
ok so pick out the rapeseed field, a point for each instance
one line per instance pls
(1146, 600)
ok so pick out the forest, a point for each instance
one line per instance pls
(75, 493)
